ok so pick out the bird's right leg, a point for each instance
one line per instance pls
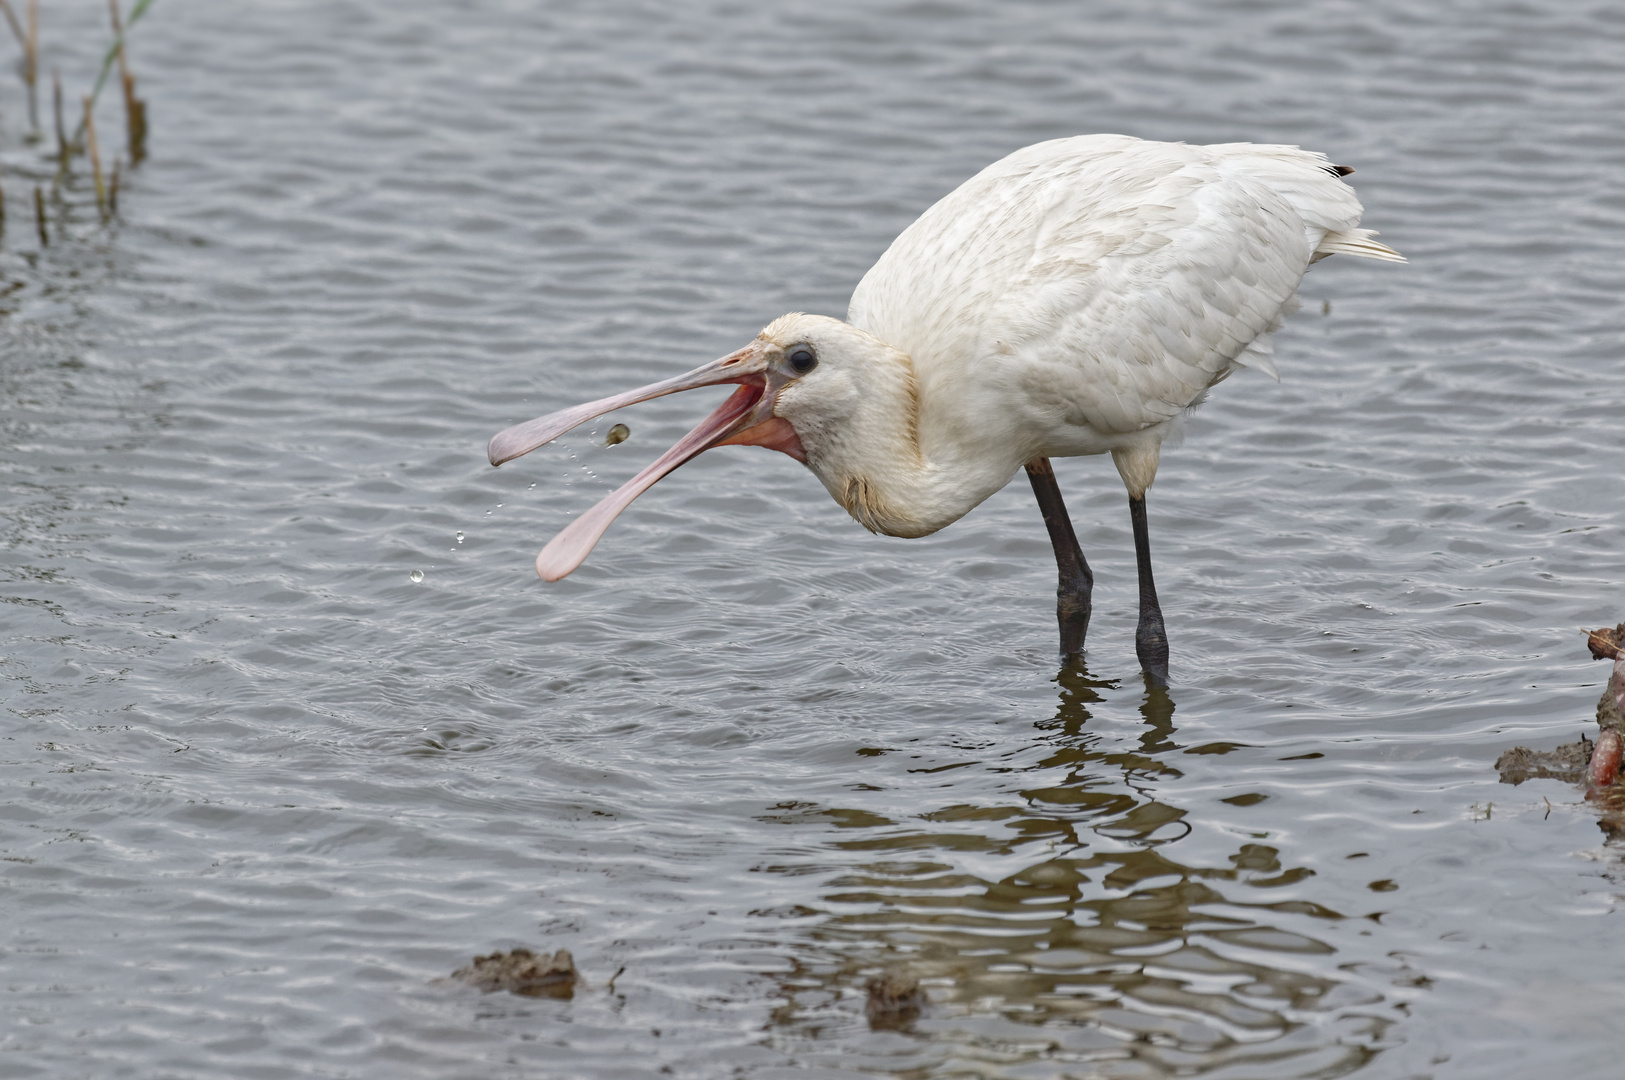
(1072, 592)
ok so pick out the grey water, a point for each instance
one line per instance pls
(292, 731)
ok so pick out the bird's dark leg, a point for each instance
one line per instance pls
(1076, 583)
(1150, 639)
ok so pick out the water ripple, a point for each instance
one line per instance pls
(266, 785)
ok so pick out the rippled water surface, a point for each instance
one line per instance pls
(263, 786)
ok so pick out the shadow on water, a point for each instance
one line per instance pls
(1104, 947)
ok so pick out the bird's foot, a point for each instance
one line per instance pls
(1073, 619)
(1151, 646)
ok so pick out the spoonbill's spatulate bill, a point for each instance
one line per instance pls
(1077, 297)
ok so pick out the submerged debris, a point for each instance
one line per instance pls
(895, 999)
(1609, 644)
(522, 972)
(1604, 644)
(1568, 762)
(1585, 762)
(1605, 760)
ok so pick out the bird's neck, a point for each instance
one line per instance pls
(884, 460)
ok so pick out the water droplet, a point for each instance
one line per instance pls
(617, 434)
(417, 576)
(459, 536)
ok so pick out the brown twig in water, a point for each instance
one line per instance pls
(135, 110)
(95, 157)
(39, 217)
(112, 190)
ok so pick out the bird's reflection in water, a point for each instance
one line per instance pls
(1105, 948)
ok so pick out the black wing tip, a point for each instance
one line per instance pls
(1338, 170)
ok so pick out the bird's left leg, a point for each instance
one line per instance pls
(1073, 592)
(1137, 465)
(1150, 639)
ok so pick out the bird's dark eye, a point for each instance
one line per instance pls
(802, 358)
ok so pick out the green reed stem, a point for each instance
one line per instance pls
(112, 58)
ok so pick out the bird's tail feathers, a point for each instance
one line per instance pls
(1355, 242)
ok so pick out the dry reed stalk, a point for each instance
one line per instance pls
(39, 217)
(112, 195)
(28, 40)
(135, 110)
(31, 64)
(95, 157)
(61, 131)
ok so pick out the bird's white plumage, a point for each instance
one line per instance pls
(1079, 295)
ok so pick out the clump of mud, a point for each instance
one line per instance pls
(1594, 762)
(895, 999)
(522, 972)
(1568, 762)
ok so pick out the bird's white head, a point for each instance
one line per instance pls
(828, 394)
(856, 417)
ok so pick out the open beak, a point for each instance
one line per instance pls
(746, 408)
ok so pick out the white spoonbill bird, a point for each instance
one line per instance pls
(1077, 297)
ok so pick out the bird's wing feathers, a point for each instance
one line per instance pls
(1105, 280)
(1313, 185)
(1186, 284)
